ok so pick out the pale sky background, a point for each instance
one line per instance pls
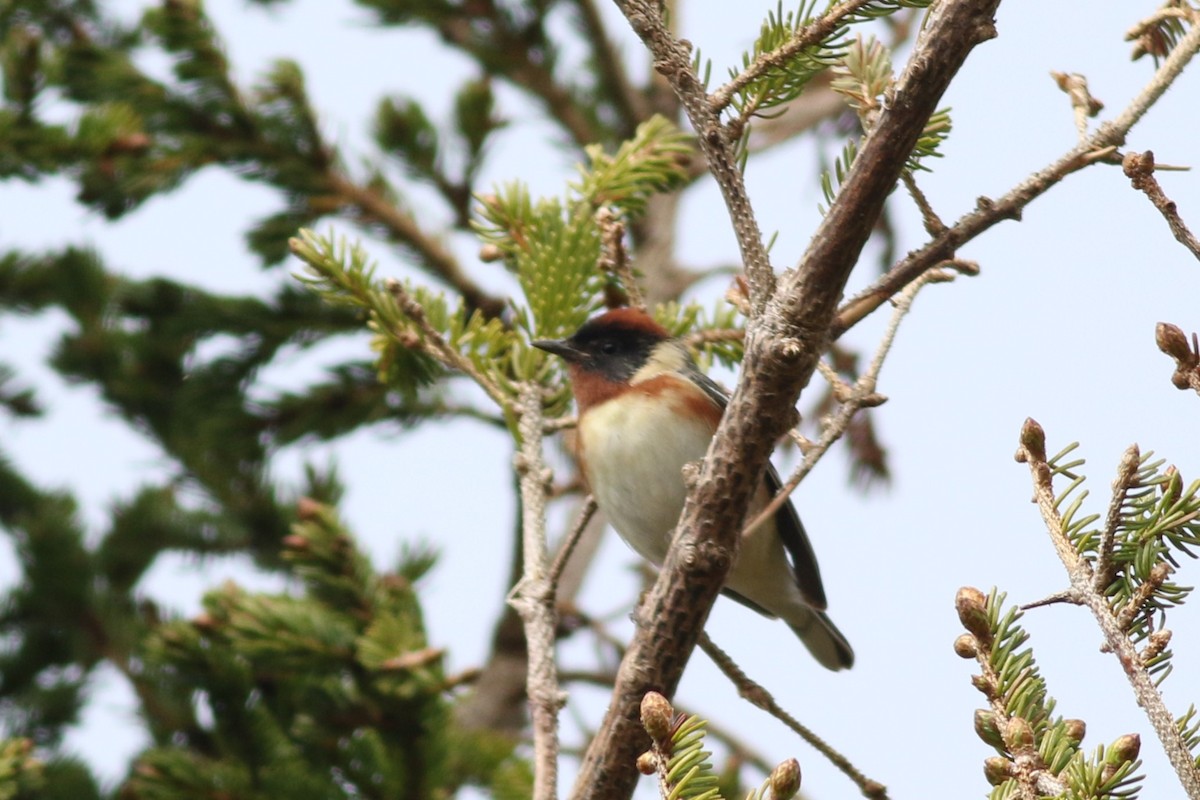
(1059, 326)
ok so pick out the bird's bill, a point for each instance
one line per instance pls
(559, 347)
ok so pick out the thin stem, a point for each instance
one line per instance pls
(437, 346)
(533, 596)
(572, 539)
(760, 697)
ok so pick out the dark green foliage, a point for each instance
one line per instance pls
(334, 692)
(77, 603)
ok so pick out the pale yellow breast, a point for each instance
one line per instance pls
(634, 452)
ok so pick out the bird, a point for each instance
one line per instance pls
(645, 410)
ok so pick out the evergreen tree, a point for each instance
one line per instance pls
(333, 687)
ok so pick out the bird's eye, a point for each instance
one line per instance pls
(608, 347)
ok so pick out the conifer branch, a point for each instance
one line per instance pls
(628, 100)
(507, 53)
(1100, 146)
(436, 345)
(1037, 754)
(402, 228)
(533, 596)
(804, 37)
(1032, 451)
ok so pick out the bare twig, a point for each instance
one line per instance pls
(1099, 147)
(933, 223)
(533, 596)
(760, 697)
(1139, 168)
(572, 538)
(1064, 596)
(861, 395)
(1032, 451)
(1082, 103)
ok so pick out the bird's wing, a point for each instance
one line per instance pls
(799, 549)
(787, 521)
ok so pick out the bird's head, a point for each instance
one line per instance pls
(616, 350)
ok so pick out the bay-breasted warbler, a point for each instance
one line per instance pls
(646, 410)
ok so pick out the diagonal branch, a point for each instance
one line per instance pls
(783, 346)
(761, 698)
(626, 98)
(1099, 147)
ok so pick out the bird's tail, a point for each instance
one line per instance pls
(822, 638)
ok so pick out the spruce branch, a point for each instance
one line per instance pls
(1038, 754)
(1139, 168)
(436, 345)
(1117, 623)
(522, 54)
(803, 36)
(400, 227)
(1099, 147)
(408, 320)
(757, 695)
(533, 596)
